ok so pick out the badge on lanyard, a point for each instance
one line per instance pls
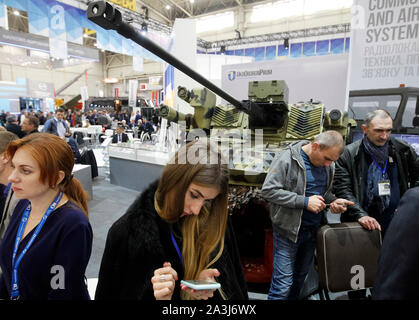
(384, 187)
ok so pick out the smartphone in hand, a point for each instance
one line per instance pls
(201, 284)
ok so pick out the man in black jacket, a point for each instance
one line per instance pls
(375, 172)
(13, 127)
(120, 135)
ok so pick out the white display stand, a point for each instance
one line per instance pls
(135, 165)
(83, 173)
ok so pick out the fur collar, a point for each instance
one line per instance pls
(144, 224)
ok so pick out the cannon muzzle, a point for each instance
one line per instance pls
(171, 114)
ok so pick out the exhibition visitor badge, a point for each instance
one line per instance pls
(384, 188)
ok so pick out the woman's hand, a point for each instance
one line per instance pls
(207, 274)
(164, 282)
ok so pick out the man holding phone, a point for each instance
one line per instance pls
(298, 188)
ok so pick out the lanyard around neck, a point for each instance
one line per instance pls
(23, 222)
(383, 171)
(7, 189)
(179, 253)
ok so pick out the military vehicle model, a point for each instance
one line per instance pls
(253, 131)
(402, 103)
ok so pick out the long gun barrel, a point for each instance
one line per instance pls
(108, 17)
(105, 15)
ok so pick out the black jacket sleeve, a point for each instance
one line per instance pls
(398, 269)
(112, 266)
(345, 186)
(122, 276)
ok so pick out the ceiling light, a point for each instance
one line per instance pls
(168, 7)
(16, 13)
(144, 28)
(191, 1)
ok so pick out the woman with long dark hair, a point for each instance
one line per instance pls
(176, 229)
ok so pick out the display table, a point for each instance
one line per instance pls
(83, 173)
(135, 166)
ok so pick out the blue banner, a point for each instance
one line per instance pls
(322, 47)
(249, 52)
(57, 31)
(270, 53)
(18, 4)
(3, 16)
(347, 44)
(296, 50)
(336, 45)
(102, 39)
(169, 79)
(115, 41)
(259, 53)
(38, 17)
(309, 48)
(239, 52)
(137, 59)
(127, 47)
(73, 17)
(282, 51)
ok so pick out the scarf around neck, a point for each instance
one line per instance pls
(375, 175)
(378, 153)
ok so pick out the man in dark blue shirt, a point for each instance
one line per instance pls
(316, 183)
(298, 188)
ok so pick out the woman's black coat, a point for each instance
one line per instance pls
(140, 242)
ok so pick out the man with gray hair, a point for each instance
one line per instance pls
(298, 188)
(374, 172)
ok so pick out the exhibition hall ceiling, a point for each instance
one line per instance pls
(167, 11)
(172, 9)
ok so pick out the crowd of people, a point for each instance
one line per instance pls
(28, 121)
(60, 122)
(179, 227)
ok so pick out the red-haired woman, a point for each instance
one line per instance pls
(48, 243)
